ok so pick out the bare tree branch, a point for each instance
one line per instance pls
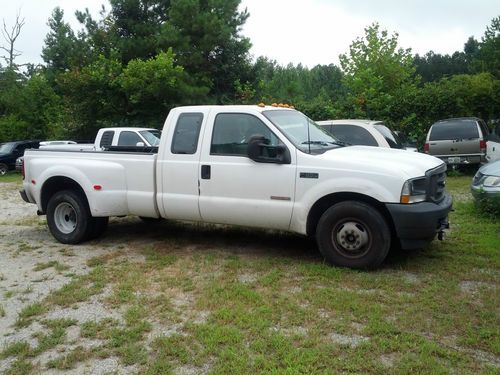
(10, 37)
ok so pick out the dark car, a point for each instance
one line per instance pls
(10, 151)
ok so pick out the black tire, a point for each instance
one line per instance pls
(99, 226)
(3, 169)
(353, 234)
(68, 217)
(151, 220)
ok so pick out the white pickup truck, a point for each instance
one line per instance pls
(258, 166)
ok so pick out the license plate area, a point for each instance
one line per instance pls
(454, 160)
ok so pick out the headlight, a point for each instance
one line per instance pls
(414, 191)
(491, 181)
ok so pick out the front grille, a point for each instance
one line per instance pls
(436, 182)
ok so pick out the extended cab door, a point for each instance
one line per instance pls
(178, 164)
(237, 190)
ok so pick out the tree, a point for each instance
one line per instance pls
(10, 37)
(62, 50)
(488, 56)
(377, 74)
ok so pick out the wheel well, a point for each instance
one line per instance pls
(55, 184)
(329, 200)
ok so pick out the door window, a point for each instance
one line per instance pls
(232, 132)
(129, 139)
(354, 135)
(186, 134)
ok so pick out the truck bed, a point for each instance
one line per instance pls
(126, 179)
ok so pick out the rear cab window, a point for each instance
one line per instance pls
(451, 130)
(107, 138)
(186, 133)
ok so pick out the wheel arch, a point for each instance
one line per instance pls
(325, 202)
(58, 183)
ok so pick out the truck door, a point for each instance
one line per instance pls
(235, 189)
(178, 166)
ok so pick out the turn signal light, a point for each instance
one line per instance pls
(426, 148)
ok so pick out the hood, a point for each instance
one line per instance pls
(383, 160)
(491, 169)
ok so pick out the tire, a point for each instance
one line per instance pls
(353, 234)
(3, 169)
(150, 220)
(99, 226)
(68, 217)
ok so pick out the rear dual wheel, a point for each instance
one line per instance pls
(353, 234)
(69, 218)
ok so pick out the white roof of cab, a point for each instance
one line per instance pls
(359, 122)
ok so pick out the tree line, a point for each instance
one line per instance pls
(140, 58)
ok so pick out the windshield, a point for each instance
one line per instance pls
(390, 136)
(304, 133)
(6, 148)
(151, 136)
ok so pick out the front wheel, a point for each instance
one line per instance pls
(353, 234)
(3, 169)
(68, 217)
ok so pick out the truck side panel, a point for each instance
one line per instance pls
(126, 180)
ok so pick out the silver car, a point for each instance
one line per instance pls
(486, 185)
(458, 141)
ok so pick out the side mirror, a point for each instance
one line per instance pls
(140, 144)
(260, 151)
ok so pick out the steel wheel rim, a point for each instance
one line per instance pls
(3, 170)
(65, 218)
(351, 238)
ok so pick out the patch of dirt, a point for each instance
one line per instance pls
(348, 340)
(472, 287)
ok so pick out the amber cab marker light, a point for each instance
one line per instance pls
(261, 105)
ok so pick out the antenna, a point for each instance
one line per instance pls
(308, 134)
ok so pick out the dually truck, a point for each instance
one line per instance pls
(258, 166)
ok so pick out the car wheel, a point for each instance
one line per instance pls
(68, 217)
(3, 169)
(353, 234)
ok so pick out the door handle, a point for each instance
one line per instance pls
(205, 172)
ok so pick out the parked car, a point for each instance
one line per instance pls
(10, 151)
(458, 141)
(486, 186)
(258, 166)
(409, 144)
(362, 133)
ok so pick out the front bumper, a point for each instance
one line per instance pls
(487, 197)
(417, 224)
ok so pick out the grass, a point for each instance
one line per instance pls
(53, 263)
(234, 301)
(11, 177)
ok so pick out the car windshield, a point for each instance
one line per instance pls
(460, 129)
(152, 136)
(6, 148)
(389, 135)
(303, 132)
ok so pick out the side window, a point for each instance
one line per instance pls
(128, 139)
(355, 135)
(186, 134)
(232, 132)
(107, 138)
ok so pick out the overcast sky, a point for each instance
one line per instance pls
(302, 31)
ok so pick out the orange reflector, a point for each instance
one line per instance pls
(405, 199)
(97, 187)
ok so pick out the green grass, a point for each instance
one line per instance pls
(12, 177)
(53, 263)
(237, 301)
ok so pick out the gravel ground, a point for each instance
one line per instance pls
(26, 243)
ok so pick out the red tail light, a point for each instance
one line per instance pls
(22, 168)
(482, 145)
(426, 148)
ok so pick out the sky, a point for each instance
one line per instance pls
(310, 32)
